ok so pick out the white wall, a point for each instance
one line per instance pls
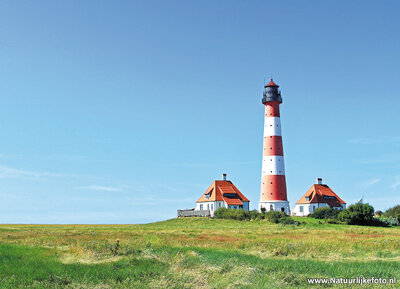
(211, 206)
(276, 206)
(216, 205)
(310, 208)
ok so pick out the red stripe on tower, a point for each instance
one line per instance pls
(273, 182)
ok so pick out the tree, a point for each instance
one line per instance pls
(358, 214)
(393, 212)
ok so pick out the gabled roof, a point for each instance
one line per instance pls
(321, 194)
(223, 191)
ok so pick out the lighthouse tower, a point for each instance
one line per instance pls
(273, 183)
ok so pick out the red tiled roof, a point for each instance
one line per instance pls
(233, 201)
(321, 194)
(223, 191)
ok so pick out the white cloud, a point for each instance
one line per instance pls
(396, 184)
(371, 182)
(9, 172)
(99, 188)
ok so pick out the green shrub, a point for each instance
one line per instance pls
(275, 216)
(389, 221)
(358, 214)
(254, 215)
(393, 212)
(289, 221)
(241, 215)
(325, 213)
(332, 221)
(223, 213)
(271, 216)
(260, 216)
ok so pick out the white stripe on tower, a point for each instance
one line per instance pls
(273, 165)
(272, 126)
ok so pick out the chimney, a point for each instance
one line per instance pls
(224, 177)
(319, 181)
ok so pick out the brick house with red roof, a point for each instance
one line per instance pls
(318, 196)
(222, 194)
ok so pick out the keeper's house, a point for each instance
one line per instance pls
(318, 196)
(220, 194)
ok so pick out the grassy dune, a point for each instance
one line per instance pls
(194, 253)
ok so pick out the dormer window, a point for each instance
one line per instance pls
(208, 195)
(307, 198)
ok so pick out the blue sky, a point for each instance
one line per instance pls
(124, 111)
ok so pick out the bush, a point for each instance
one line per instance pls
(289, 221)
(390, 221)
(223, 213)
(332, 221)
(358, 214)
(271, 216)
(393, 212)
(275, 216)
(325, 213)
(378, 222)
(254, 215)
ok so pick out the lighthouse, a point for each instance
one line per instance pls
(273, 183)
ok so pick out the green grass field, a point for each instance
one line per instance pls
(195, 253)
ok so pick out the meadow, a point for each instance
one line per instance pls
(195, 253)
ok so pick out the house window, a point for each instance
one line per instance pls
(271, 207)
(307, 199)
(301, 209)
(212, 207)
(208, 206)
(201, 207)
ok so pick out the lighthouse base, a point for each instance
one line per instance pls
(281, 206)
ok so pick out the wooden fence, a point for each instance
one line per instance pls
(194, 213)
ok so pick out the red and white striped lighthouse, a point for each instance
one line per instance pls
(273, 183)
